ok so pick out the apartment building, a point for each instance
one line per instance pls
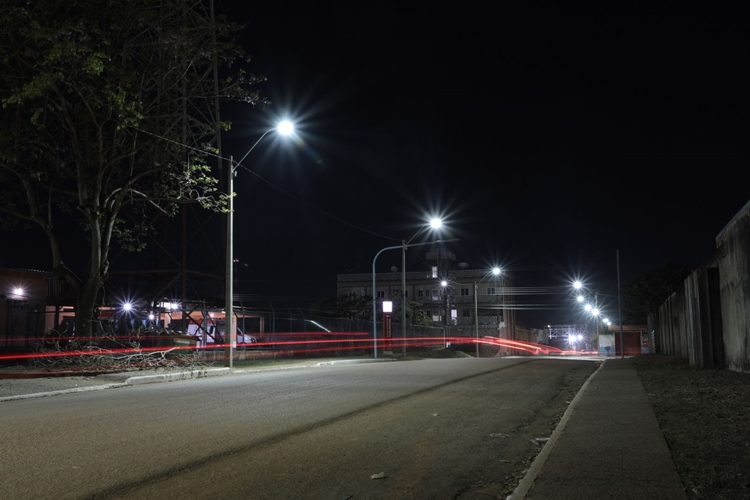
(450, 293)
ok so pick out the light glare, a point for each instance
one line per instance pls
(285, 127)
(436, 223)
(577, 285)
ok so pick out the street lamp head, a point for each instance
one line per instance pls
(436, 223)
(285, 127)
(577, 285)
(443, 283)
(495, 271)
(588, 307)
(595, 311)
(579, 298)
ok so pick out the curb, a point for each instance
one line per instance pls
(182, 375)
(353, 361)
(60, 392)
(169, 377)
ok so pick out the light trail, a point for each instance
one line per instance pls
(296, 343)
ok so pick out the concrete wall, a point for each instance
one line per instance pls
(707, 321)
(733, 261)
(689, 323)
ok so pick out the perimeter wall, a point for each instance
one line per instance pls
(707, 320)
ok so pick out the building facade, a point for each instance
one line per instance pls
(469, 298)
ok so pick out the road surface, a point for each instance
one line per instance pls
(453, 428)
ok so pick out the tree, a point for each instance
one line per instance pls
(646, 291)
(108, 111)
(354, 306)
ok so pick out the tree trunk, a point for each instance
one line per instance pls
(86, 306)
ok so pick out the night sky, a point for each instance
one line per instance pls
(546, 140)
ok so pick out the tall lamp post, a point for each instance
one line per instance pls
(375, 293)
(230, 335)
(495, 272)
(435, 223)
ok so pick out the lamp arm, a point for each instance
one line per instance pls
(253, 147)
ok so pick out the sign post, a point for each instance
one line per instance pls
(387, 327)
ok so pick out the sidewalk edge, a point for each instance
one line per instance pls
(536, 466)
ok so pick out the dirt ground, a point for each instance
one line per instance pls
(705, 418)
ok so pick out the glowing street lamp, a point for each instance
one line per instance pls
(435, 224)
(283, 128)
(374, 289)
(495, 272)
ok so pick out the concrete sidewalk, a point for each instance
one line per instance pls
(607, 445)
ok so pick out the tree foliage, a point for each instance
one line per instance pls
(107, 115)
(645, 292)
(353, 306)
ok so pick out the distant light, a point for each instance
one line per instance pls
(436, 223)
(579, 298)
(588, 307)
(443, 283)
(580, 337)
(174, 305)
(495, 271)
(151, 317)
(127, 306)
(549, 326)
(577, 285)
(595, 312)
(211, 315)
(285, 128)
(387, 306)
(18, 291)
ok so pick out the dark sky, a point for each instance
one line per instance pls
(546, 140)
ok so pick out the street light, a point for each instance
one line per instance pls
(435, 223)
(283, 128)
(591, 309)
(374, 291)
(495, 272)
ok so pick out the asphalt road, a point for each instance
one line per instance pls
(457, 428)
